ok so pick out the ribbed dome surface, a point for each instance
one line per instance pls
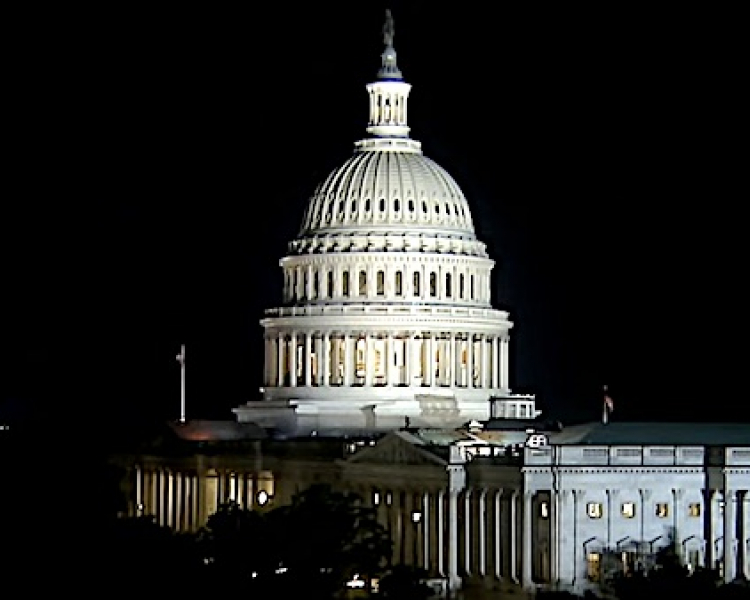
(380, 190)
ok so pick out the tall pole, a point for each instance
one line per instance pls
(181, 359)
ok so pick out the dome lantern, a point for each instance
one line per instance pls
(388, 95)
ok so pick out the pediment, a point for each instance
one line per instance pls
(395, 450)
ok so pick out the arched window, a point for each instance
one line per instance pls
(433, 284)
(471, 285)
(381, 283)
(461, 287)
(345, 283)
(416, 284)
(399, 283)
(448, 282)
(330, 284)
(363, 283)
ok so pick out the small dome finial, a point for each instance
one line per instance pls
(389, 68)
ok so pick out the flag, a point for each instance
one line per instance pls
(609, 405)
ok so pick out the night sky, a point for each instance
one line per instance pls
(164, 161)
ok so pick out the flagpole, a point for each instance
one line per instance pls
(181, 360)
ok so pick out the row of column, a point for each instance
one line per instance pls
(725, 529)
(373, 359)
(185, 500)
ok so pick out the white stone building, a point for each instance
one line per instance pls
(387, 291)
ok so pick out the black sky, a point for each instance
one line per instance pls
(164, 160)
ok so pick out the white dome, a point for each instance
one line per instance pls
(381, 189)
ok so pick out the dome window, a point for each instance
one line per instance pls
(448, 285)
(471, 285)
(447, 209)
(382, 205)
(363, 283)
(461, 286)
(381, 283)
(330, 284)
(345, 283)
(416, 284)
(411, 206)
(396, 205)
(424, 207)
(433, 284)
(399, 283)
(367, 205)
(316, 286)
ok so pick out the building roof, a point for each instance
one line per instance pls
(654, 434)
(217, 431)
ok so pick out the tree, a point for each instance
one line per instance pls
(314, 545)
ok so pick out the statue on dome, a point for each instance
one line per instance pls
(388, 30)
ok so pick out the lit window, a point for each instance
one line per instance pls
(376, 498)
(593, 564)
(628, 510)
(594, 510)
(694, 509)
(544, 510)
(662, 510)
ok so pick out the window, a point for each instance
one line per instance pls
(628, 510)
(375, 498)
(345, 282)
(461, 290)
(330, 284)
(544, 510)
(316, 286)
(363, 283)
(694, 509)
(594, 510)
(416, 284)
(380, 283)
(433, 284)
(399, 283)
(662, 510)
(593, 566)
(448, 282)
(471, 285)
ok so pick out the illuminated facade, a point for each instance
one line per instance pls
(494, 507)
(387, 295)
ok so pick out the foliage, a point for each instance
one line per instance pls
(318, 542)
(406, 583)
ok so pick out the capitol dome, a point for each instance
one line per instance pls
(386, 313)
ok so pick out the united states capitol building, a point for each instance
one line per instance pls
(387, 373)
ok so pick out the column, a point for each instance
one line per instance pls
(514, 536)
(482, 360)
(450, 362)
(307, 359)
(468, 537)
(498, 529)
(347, 360)
(526, 546)
(319, 362)
(495, 363)
(503, 366)
(730, 528)
(326, 362)
(482, 567)
(470, 361)
(389, 357)
(293, 360)
(677, 519)
(280, 348)
(369, 363)
(431, 359)
(406, 341)
(456, 483)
